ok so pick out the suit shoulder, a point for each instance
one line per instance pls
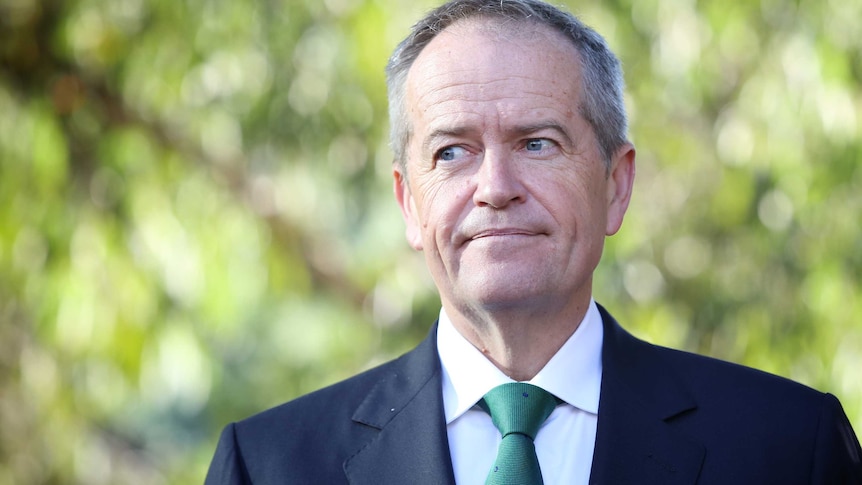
(308, 438)
(742, 410)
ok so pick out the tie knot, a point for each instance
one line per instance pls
(518, 407)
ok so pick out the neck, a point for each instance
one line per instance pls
(517, 342)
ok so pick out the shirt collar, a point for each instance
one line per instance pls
(573, 374)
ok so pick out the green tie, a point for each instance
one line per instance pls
(518, 410)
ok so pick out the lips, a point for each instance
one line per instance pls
(507, 231)
(486, 228)
(502, 233)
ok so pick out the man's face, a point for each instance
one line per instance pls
(505, 189)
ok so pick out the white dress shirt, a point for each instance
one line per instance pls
(564, 444)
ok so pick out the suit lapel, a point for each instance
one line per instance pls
(635, 439)
(407, 409)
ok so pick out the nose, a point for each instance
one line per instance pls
(498, 182)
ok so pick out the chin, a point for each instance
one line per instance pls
(501, 295)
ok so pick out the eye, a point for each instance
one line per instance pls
(450, 153)
(537, 144)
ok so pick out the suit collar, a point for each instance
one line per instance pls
(406, 407)
(640, 398)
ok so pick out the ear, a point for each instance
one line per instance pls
(620, 181)
(408, 208)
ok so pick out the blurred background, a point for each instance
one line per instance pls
(197, 221)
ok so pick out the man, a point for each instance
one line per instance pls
(512, 166)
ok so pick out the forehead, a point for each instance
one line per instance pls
(506, 63)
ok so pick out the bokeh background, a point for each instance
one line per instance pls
(197, 221)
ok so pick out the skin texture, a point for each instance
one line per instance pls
(505, 188)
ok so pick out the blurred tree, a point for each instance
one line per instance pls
(196, 219)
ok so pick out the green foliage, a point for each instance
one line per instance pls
(196, 219)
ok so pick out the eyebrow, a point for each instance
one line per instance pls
(456, 132)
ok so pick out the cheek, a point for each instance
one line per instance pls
(442, 200)
(577, 208)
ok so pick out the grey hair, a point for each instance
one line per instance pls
(602, 106)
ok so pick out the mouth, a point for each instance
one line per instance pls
(503, 232)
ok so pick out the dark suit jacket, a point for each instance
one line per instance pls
(665, 417)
